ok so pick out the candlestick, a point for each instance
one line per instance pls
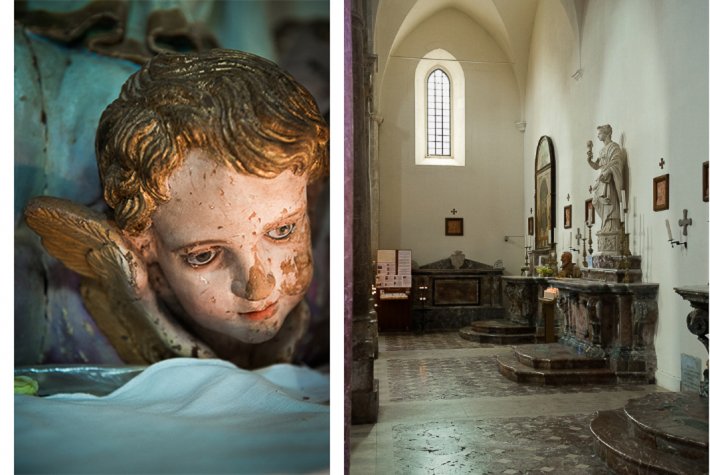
(668, 228)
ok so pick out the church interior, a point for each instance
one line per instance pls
(527, 256)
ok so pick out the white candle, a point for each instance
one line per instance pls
(668, 227)
(549, 236)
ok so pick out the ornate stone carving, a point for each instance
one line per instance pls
(611, 320)
(697, 320)
(457, 259)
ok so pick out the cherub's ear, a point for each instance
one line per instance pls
(142, 244)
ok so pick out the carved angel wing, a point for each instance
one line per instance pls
(91, 245)
(72, 232)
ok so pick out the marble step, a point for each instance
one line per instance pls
(673, 422)
(500, 339)
(501, 327)
(618, 443)
(511, 368)
(556, 356)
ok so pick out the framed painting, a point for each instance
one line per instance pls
(544, 192)
(568, 216)
(588, 212)
(454, 226)
(660, 192)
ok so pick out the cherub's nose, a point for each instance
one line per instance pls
(252, 281)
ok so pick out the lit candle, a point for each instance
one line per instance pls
(668, 227)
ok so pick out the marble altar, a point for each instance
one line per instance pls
(616, 321)
(447, 297)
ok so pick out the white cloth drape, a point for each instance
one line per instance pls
(181, 416)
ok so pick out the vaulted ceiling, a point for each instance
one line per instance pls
(509, 22)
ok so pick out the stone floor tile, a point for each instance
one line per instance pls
(444, 408)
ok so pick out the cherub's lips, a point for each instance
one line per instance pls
(263, 314)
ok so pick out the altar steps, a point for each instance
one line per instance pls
(501, 332)
(658, 433)
(553, 364)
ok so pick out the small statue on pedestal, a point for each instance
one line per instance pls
(607, 191)
(568, 268)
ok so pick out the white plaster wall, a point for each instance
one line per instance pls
(645, 72)
(414, 200)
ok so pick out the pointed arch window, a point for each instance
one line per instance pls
(440, 110)
(438, 114)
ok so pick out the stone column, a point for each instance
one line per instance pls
(347, 236)
(364, 387)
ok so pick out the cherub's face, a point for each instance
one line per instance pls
(235, 249)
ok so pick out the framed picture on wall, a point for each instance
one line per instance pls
(454, 226)
(568, 216)
(705, 181)
(660, 192)
(544, 192)
(531, 226)
(588, 212)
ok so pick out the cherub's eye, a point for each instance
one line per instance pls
(201, 258)
(281, 232)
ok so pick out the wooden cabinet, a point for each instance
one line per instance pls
(394, 309)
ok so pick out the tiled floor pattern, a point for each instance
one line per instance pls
(428, 341)
(466, 377)
(444, 409)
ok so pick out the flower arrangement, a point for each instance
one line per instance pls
(545, 271)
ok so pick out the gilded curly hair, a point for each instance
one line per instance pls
(242, 109)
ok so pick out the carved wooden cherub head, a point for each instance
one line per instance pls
(205, 160)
